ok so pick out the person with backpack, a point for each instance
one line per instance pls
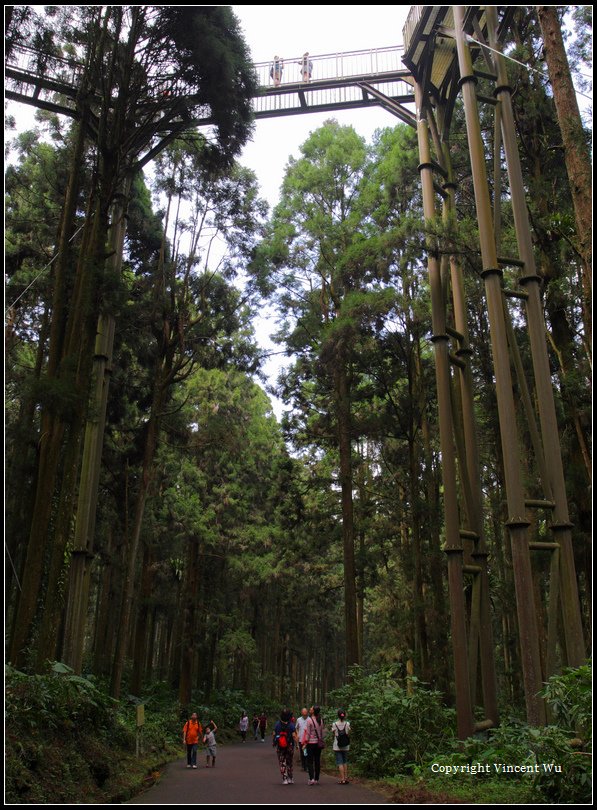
(190, 737)
(341, 745)
(313, 739)
(283, 740)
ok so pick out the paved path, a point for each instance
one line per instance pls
(247, 773)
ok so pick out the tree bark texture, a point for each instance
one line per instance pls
(576, 150)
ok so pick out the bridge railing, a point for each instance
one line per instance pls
(325, 66)
(335, 65)
(337, 96)
(414, 15)
(34, 63)
(380, 64)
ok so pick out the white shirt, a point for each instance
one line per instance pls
(340, 725)
(300, 725)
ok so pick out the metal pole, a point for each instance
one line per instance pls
(517, 520)
(453, 545)
(479, 552)
(561, 525)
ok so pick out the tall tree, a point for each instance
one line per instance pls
(575, 143)
(128, 52)
(316, 255)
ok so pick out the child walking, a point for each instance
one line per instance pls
(209, 740)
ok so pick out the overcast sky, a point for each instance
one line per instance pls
(289, 31)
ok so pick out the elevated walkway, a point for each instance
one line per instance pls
(339, 81)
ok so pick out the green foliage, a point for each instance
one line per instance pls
(570, 697)
(226, 706)
(62, 732)
(214, 61)
(553, 770)
(58, 700)
(557, 766)
(393, 727)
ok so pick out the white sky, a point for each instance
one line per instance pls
(289, 31)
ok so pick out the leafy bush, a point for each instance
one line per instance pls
(58, 700)
(558, 763)
(570, 696)
(226, 706)
(393, 728)
(61, 734)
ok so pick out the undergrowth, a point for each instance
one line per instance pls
(68, 742)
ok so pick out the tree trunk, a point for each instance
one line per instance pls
(58, 424)
(576, 150)
(343, 414)
(420, 624)
(82, 554)
(102, 652)
(141, 630)
(151, 444)
(188, 619)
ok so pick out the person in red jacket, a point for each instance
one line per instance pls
(190, 737)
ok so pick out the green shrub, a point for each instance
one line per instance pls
(61, 735)
(57, 700)
(393, 727)
(558, 763)
(570, 696)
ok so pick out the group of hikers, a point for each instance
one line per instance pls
(304, 735)
(277, 68)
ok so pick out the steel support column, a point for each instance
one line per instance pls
(517, 520)
(480, 610)
(453, 544)
(572, 621)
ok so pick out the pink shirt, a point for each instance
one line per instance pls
(313, 732)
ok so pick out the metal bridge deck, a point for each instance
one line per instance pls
(339, 81)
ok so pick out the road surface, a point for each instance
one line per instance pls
(247, 773)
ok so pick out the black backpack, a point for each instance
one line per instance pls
(342, 737)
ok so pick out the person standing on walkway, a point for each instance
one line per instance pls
(283, 739)
(276, 70)
(313, 739)
(300, 727)
(263, 725)
(243, 725)
(209, 740)
(190, 737)
(255, 725)
(306, 67)
(341, 745)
